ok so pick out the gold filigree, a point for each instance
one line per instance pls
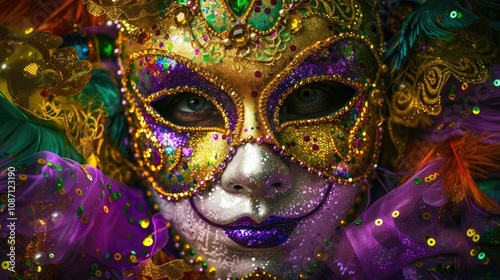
(172, 270)
(417, 88)
(63, 74)
(82, 120)
(141, 12)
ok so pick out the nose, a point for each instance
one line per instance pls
(256, 170)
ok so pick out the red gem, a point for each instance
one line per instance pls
(267, 11)
(293, 48)
(254, 94)
(315, 147)
(307, 138)
(258, 74)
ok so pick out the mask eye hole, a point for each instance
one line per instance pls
(189, 110)
(315, 100)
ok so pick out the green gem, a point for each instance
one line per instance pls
(315, 265)
(358, 222)
(191, 252)
(309, 271)
(239, 7)
(59, 168)
(95, 266)
(204, 264)
(206, 57)
(102, 194)
(328, 241)
(49, 163)
(140, 207)
(46, 175)
(131, 220)
(106, 255)
(417, 181)
(114, 196)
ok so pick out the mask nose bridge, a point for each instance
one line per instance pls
(252, 128)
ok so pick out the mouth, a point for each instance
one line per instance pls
(271, 232)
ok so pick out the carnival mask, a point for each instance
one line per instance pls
(257, 127)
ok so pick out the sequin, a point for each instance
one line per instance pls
(496, 82)
(148, 241)
(426, 216)
(431, 242)
(395, 214)
(471, 232)
(379, 222)
(476, 237)
(117, 256)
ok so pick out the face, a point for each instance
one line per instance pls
(257, 163)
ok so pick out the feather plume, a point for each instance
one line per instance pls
(434, 20)
(22, 136)
(469, 163)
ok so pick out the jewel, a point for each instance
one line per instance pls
(239, 35)
(183, 16)
(293, 23)
(238, 7)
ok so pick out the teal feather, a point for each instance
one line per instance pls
(22, 136)
(104, 88)
(433, 20)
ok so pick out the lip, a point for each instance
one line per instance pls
(271, 232)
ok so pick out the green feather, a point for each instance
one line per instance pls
(437, 19)
(22, 136)
(103, 87)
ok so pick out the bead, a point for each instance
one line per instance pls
(55, 216)
(253, 36)
(496, 82)
(40, 258)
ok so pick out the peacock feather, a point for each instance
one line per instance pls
(436, 19)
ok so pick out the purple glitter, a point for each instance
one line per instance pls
(336, 59)
(270, 233)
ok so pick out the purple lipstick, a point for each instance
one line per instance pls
(269, 233)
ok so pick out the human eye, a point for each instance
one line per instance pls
(189, 110)
(315, 100)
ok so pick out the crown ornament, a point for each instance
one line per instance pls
(254, 30)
